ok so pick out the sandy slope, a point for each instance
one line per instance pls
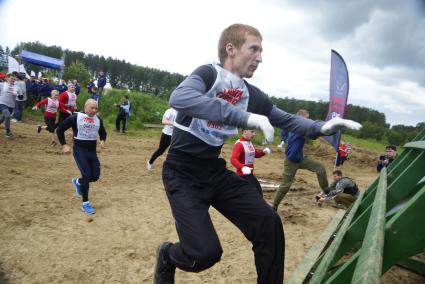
(45, 238)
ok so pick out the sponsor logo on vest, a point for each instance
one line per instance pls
(89, 119)
(215, 125)
(230, 95)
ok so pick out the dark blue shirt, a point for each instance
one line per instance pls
(283, 135)
(77, 89)
(101, 81)
(61, 88)
(44, 90)
(90, 86)
(294, 148)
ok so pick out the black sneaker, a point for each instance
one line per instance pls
(9, 134)
(164, 270)
(39, 128)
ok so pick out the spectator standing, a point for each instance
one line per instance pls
(61, 86)
(21, 98)
(31, 86)
(95, 95)
(101, 82)
(123, 114)
(77, 87)
(44, 89)
(388, 158)
(90, 86)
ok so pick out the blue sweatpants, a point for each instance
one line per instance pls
(89, 166)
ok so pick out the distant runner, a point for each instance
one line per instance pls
(243, 154)
(52, 107)
(168, 120)
(86, 127)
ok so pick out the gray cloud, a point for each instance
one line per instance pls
(382, 33)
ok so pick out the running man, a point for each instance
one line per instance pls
(295, 160)
(68, 102)
(168, 120)
(243, 154)
(52, 107)
(211, 103)
(86, 127)
(8, 93)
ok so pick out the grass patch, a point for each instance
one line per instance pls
(148, 108)
(369, 144)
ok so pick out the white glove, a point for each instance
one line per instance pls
(261, 122)
(35, 108)
(246, 170)
(337, 123)
(267, 150)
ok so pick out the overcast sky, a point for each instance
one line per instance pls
(382, 41)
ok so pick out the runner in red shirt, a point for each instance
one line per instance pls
(243, 154)
(342, 154)
(52, 106)
(68, 102)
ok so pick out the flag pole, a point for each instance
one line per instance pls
(336, 159)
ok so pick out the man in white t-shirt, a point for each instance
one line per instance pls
(167, 119)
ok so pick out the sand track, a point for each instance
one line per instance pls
(45, 238)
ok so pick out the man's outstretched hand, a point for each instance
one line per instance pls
(261, 122)
(332, 126)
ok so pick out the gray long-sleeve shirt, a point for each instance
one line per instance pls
(344, 185)
(8, 97)
(189, 100)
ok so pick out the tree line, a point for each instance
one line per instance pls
(124, 75)
(120, 74)
(374, 122)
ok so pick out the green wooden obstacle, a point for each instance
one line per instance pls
(383, 228)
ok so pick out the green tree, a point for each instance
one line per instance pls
(3, 60)
(78, 71)
(6, 55)
(395, 137)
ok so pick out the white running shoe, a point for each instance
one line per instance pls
(13, 120)
(149, 166)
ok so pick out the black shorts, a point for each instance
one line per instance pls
(51, 124)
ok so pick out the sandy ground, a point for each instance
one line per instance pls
(45, 237)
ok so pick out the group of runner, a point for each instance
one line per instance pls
(64, 104)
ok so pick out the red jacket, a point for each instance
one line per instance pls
(64, 100)
(342, 150)
(47, 114)
(238, 155)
